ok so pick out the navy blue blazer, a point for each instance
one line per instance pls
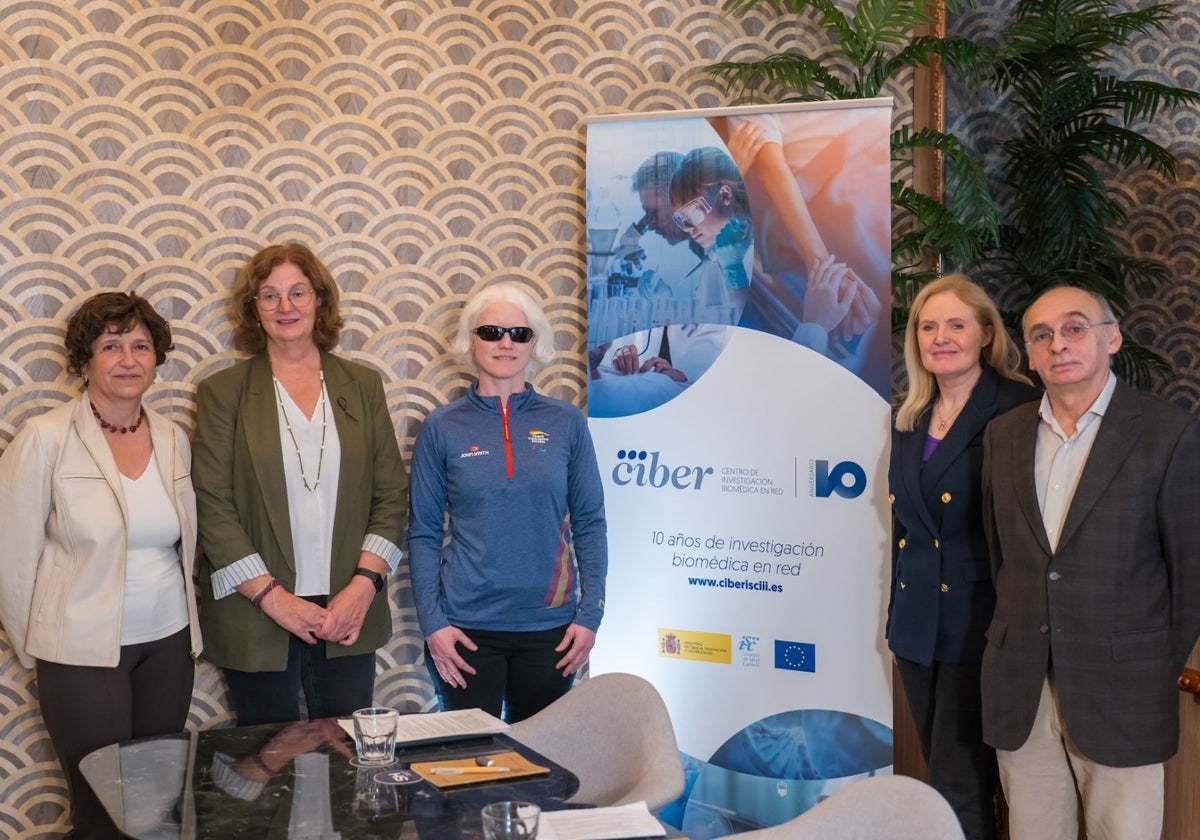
(942, 595)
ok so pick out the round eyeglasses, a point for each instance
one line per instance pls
(268, 301)
(491, 332)
(1071, 332)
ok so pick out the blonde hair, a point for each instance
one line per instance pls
(543, 333)
(1001, 353)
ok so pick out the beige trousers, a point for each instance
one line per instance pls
(1047, 777)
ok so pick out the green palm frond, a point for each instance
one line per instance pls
(805, 78)
(965, 57)
(1138, 364)
(1068, 125)
(1141, 100)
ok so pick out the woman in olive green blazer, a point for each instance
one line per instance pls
(274, 513)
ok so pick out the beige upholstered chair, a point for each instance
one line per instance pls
(614, 733)
(877, 808)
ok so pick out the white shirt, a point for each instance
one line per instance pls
(310, 512)
(1058, 460)
(155, 605)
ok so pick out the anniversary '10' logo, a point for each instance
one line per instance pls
(847, 479)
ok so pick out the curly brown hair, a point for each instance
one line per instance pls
(248, 333)
(113, 312)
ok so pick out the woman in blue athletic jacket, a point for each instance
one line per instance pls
(510, 604)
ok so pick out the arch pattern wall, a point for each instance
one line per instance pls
(421, 147)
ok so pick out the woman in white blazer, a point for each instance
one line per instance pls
(99, 522)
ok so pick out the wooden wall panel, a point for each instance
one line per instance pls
(421, 147)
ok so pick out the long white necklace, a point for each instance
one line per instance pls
(295, 445)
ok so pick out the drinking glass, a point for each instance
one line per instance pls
(375, 736)
(510, 821)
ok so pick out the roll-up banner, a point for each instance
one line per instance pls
(739, 362)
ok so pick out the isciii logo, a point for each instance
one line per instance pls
(646, 469)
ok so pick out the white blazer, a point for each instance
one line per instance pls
(64, 522)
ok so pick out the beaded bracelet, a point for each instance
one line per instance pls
(257, 600)
(254, 598)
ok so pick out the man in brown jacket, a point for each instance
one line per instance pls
(1090, 504)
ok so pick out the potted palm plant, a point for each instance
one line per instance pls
(875, 44)
(1065, 126)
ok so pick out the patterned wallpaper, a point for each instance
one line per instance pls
(1163, 218)
(422, 147)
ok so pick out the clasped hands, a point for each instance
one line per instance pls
(838, 300)
(340, 622)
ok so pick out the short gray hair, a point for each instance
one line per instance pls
(543, 333)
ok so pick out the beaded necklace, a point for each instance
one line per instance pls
(119, 430)
(295, 444)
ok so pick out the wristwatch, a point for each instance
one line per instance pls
(374, 577)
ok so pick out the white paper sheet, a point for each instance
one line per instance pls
(464, 723)
(633, 820)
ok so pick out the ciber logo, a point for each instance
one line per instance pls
(645, 469)
(847, 479)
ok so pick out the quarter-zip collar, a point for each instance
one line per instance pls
(494, 405)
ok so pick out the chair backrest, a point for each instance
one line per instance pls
(613, 732)
(876, 808)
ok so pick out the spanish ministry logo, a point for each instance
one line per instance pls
(695, 645)
(669, 644)
(649, 469)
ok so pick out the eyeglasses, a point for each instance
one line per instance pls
(268, 301)
(693, 213)
(1071, 332)
(490, 332)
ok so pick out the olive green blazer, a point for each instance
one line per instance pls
(241, 499)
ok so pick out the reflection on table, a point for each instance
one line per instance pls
(296, 781)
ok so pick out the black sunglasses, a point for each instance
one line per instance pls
(490, 332)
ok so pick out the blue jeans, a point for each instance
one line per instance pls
(514, 674)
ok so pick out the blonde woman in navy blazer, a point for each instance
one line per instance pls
(961, 367)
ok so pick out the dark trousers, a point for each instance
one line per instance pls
(86, 707)
(332, 687)
(947, 708)
(514, 673)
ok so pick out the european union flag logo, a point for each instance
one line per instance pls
(796, 656)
